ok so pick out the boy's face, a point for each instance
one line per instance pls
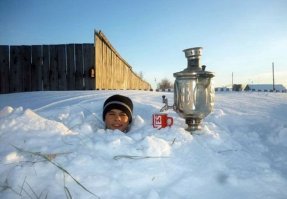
(117, 119)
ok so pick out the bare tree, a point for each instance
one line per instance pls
(140, 74)
(165, 84)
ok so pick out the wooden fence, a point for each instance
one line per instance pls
(46, 67)
(66, 67)
(112, 71)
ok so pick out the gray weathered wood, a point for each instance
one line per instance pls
(4, 69)
(36, 68)
(61, 66)
(53, 75)
(79, 66)
(88, 54)
(16, 71)
(25, 60)
(46, 67)
(71, 68)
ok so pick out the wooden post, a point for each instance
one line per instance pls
(88, 50)
(98, 61)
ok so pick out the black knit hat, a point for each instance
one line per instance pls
(120, 102)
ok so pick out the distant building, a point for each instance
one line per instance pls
(237, 87)
(223, 89)
(265, 87)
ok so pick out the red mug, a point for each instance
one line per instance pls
(161, 120)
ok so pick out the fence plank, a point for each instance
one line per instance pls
(46, 67)
(61, 66)
(53, 74)
(109, 68)
(104, 72)
(113, 68)
(16, 76)
(4, 69)
(36, 68)
(79, 66)
(71, 67)
(25, 60)
(88, 55)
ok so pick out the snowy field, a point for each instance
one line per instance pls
(53, 145)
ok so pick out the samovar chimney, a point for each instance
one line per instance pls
(193, 56)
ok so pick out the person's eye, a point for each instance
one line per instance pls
(123, 115)
(111, 114)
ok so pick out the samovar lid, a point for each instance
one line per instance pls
(191, 73)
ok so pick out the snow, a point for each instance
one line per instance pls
(53, 145)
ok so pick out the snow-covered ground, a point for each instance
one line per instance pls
(53, 145)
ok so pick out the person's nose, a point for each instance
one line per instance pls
(117, 117)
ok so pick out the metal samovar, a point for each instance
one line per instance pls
(193, 91)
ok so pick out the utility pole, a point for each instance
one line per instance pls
(273, 76)
(232, 81)
(155, 83)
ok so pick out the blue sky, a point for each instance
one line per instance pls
(242, 37)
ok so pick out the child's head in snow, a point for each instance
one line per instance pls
(117, 112)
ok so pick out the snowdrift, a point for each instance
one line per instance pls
(53, 145)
